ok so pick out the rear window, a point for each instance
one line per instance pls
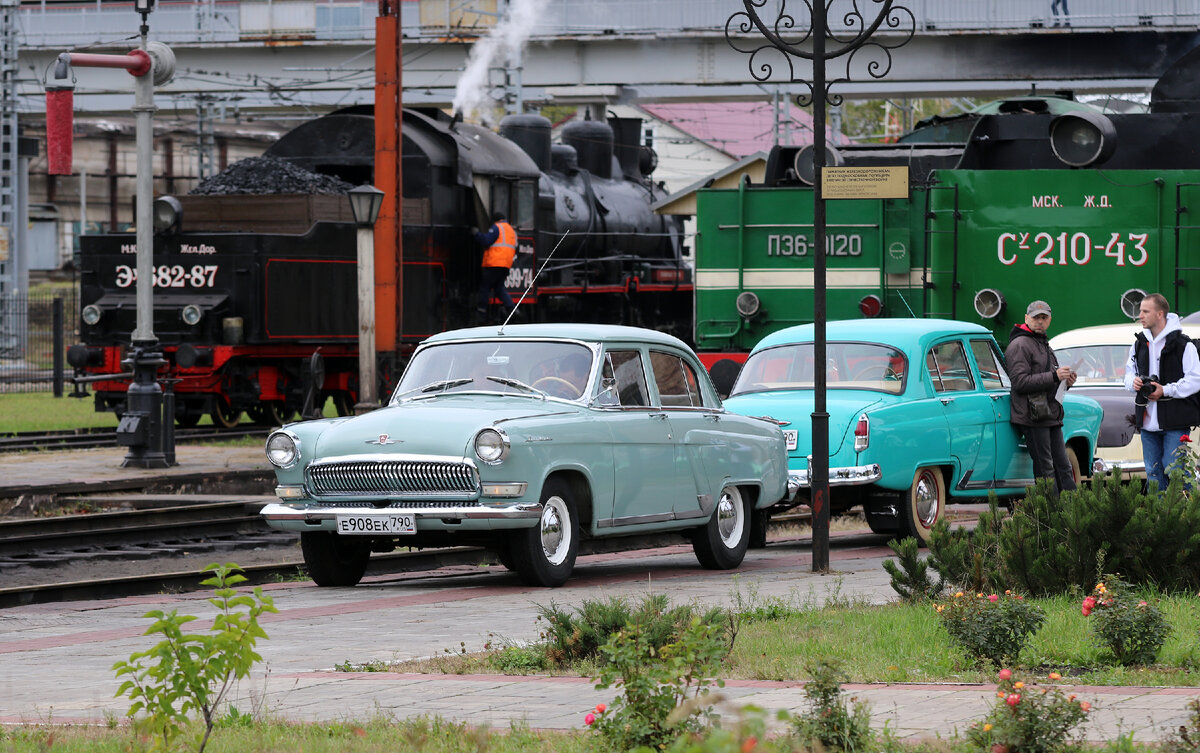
(849, 366)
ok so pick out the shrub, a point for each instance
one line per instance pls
(656, 682)
(193, 672)
(577, 635)
(1132, 628)
(1026, 719)
(990, 627)
(829, 722)
(911, 579)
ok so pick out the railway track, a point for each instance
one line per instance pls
(78, 439)
(159, 530)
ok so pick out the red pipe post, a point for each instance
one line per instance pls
(60, 122)
(137, 62)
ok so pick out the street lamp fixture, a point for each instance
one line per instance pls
(143, 6)
(365, 201)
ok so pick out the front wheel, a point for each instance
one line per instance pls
(722, 542)
(223, 414)
(545, 554)
(926, 504)
(334, 560)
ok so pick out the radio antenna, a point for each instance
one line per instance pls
(531, 282)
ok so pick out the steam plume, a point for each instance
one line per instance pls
(502, 45)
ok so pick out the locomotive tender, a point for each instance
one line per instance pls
(1037, 197)
(248, 287)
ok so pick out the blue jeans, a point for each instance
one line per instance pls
(1159, 449)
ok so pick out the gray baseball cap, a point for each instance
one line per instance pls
(1038, 307)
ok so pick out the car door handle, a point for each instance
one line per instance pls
(997, 397)
(713, 416)
(659, 416)
(946, 400)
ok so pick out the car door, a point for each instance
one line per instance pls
(643, 442)
(697, 433)
(970, 416)
(1014, 468)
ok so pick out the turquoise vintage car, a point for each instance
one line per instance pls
(525, 440)
(918, 417)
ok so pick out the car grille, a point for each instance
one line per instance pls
(392, 478)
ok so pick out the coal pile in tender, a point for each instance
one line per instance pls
(268, 175)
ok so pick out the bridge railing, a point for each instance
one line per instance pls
(56, 24)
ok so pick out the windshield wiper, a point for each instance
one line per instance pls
(518, 384)
(438, 386)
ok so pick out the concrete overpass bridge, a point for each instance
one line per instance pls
(309, 55)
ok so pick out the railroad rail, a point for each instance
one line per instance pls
(79, 439)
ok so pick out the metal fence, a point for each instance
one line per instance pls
(34, 332)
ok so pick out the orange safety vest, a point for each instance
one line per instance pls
(504, 250)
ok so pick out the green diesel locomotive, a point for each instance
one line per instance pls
(1037, 197)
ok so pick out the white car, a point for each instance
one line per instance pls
(1098, 354)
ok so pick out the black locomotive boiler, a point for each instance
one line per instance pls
(249, 285)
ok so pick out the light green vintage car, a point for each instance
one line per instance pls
(525, 440)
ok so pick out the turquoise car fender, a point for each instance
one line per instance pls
(906, 436)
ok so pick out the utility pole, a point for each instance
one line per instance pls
(9, 167)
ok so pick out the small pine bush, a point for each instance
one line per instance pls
(911, 579)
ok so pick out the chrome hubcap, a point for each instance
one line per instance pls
(729, 518)
(554, 533)
(927, 500)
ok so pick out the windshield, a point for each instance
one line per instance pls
(1096, 364)
(857, 366)
(551, 368)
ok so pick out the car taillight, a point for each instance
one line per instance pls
(862, 433)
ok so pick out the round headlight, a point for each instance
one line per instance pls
(90, 314)
(190, 314)
(491, 446)
(165, 213)
(283, 450)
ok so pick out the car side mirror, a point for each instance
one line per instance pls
(607, 397)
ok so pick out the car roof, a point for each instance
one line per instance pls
(896, 332)
(602, 333)
(1108, 334)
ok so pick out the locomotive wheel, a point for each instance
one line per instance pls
(272, 413)
(223, 414)
(334, 560)
(188, 418)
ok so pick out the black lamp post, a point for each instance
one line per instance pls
(365, 201)
(816, 42)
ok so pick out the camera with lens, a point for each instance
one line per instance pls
(1147, 388)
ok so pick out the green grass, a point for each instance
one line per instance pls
(906, 643)
(41, 411)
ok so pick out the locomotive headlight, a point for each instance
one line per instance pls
(491, 446)
(748, 304)
(91, 314)
(191, 314)
(167, 213)
(1082, 138)
(283, 449)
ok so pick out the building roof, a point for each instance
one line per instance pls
(738, 128)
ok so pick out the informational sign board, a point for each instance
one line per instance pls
(880, 182)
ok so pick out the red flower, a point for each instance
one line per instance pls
(1005, 674)
(590, 718)
(1013, 699)
(1185, 438)
(749, 744)
(1085, 705)
(993, 598)
(600, 707)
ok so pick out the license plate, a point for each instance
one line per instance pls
(790, 436)
(373, 525)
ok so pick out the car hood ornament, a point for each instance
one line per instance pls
(384, 440)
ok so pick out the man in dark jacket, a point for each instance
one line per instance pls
(1037, 409)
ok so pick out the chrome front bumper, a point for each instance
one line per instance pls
(1124, 467)
(854, 475)
(315, 513)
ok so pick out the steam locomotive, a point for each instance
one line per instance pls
(1035, 197)
(249, 287)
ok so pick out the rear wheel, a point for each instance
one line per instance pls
(271, 413)
(926, 504)
(545, 554)
(188, 418)
(1076, 468)
(343, 403)
(334, 560)
(722, 542)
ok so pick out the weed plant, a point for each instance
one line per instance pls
(830, 724)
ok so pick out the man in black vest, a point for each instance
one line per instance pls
(1164, 371)
(1035, 406)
